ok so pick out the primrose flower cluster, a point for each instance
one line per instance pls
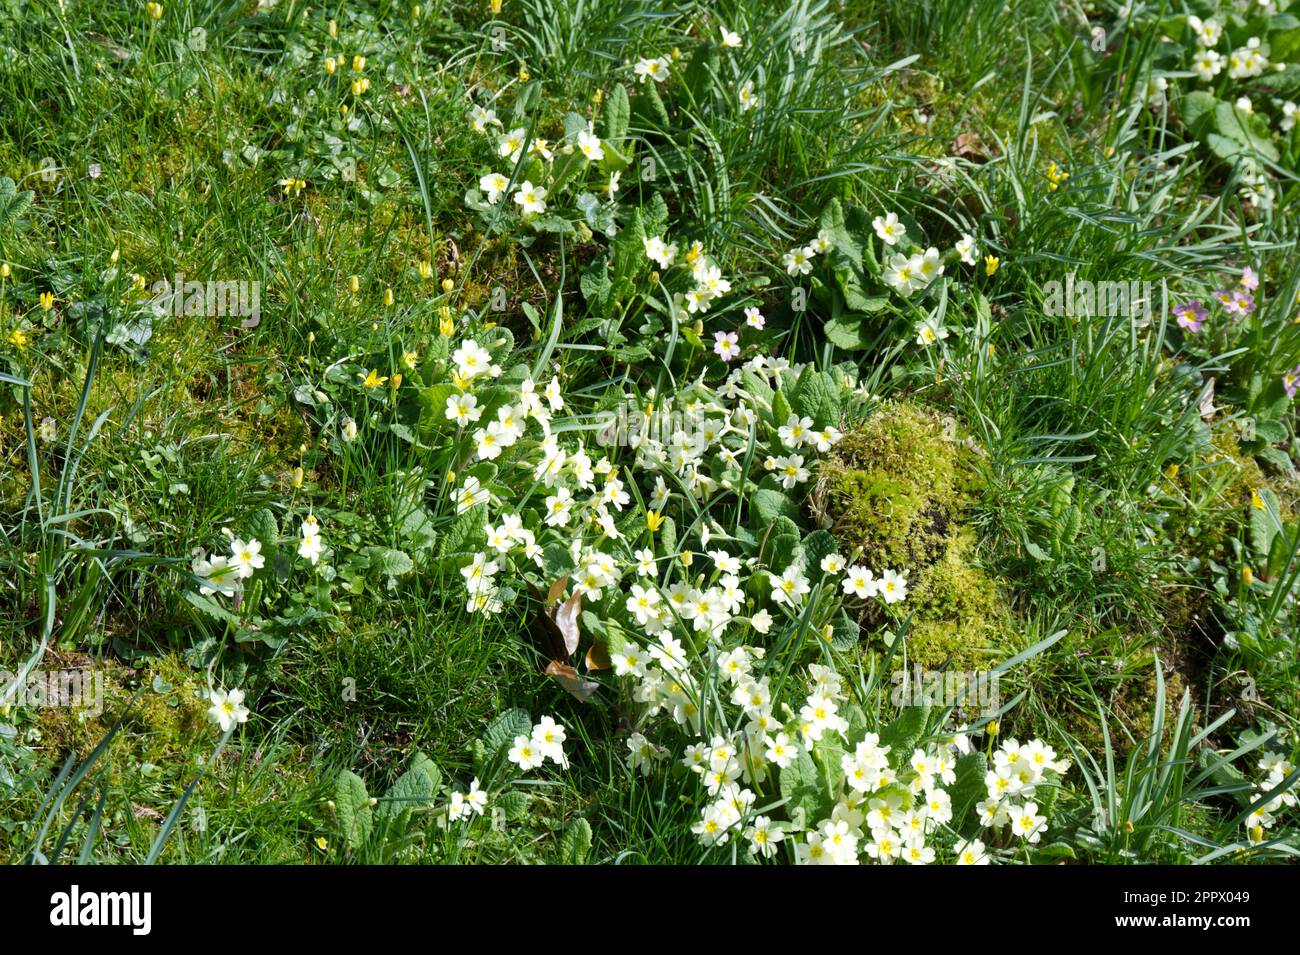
(545, 742)
(886, 803)
(530, 170)
(1276, 768)
(1222, 61)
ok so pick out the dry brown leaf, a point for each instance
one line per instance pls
(598, 657)
(566, 621)
(568, 678)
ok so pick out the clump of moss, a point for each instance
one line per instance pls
(898, 489)
(160, 711)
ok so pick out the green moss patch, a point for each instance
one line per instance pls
(897, 492)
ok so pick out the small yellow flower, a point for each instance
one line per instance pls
(4, 270)
(494, 7)
(409, 358)
(1247, 576)
(334, 28)
(425, 268)
(322, 843)
(991, 264)
(18, 338)
(360, 85)
(446, 327)
(1256, 501)
(687, 558)
(343, 108)
(47, 301)
(329, 66)
(415, 11)
(1055, 176)
(828, 632)
(372, 379)
(598, 97)
(354, 283)
(448, 285)
(1128, 826)
(358, 64)
(388, 296)
(296, 479)
(1171, 472)
(523, 73)
(991, 728)
(653, 521)
(396, 382)
(155, 10)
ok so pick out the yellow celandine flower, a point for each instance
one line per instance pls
(415, 11)
(523, 73)
(425, 268)
(1055, 176)
(295, 186)
(448, 285)
(1171, 472)
(388, 296)
(296, 479)
(396, 382)
(828, 632)
(343, 108)
(18, 338)
(329, 66)
(372, 379)
(409, 358)
(358, 64)
(687, 558)
(155, 10)
(1128, 826)
(494, 7)
(322, 843)
(487, 325)
(1256, 501)
(991, 728)
(459, 382)
(1247, 576)
(47, 301)
(446, 327)
(334, 28)
(653, 521)
(360, 85)
(354, 283)
(991, 264)
(4, 270)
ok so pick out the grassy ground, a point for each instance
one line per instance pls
(1097, 504)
